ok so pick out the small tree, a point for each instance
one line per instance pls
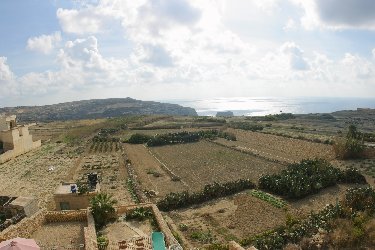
(352, 146)
(102, 208)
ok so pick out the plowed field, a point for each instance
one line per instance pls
(203, 162)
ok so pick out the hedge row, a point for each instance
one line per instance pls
(180, 137)
(210, 191)
(307, 177)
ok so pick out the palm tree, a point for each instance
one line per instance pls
(102, 208)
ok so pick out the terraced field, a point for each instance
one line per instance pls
(203, 162)
(149, 172)
(278, 147)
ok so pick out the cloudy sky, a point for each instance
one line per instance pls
(59, 50)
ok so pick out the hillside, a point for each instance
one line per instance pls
(96, 108)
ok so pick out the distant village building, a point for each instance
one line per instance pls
(14, 139)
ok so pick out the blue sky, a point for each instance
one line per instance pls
(56, 51)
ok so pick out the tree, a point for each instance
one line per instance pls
(352, 146)
(102, 208)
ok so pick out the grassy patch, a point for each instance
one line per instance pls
(276, 202)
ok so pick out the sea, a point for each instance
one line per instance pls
(258, 106)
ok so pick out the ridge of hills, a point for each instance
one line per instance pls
(96, 108)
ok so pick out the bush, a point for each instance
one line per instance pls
(360, 199)
(139, 213)
(210, 192)
(351, 147)
(307, 177)
(138, 138)
(246, 126)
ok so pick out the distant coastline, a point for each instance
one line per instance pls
(253, 106)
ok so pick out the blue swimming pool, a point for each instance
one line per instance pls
(158, 241)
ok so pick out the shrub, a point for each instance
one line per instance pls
(350, 147)
(138, 138)
(360, 199)
(307, 177)
(210, 191)
(246, 126)
(139, 213)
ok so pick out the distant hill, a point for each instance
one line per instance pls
(96, 108)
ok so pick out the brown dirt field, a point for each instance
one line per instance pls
(203, 162)
(121, 230)
(229, 218)
(278, 147)
(144, 162)
(28, 174)
(318, 201)
(61, 235)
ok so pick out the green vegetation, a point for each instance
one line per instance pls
(361, 199)
(139, 138)
(131, 188)
(352, 219)
(178, 138)
(139, 213)
(202, 236)
(279, 237)
(246, 126)
(307, 177)
(102, 208)
(82, 188)
(276, 202)
(102, 242)
(210, 192)
(352, 146)
(276, 117)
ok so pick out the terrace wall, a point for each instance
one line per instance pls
(90, 232)
(27, 226)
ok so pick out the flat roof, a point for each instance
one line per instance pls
(64, 188)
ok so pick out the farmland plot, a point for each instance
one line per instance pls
(278, 147)
(203, 163)
(111, 169)
(230, 218)
(149, 172)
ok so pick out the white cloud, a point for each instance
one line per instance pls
(295, 54)
(290, 24)
(44, 43)
(5, 73)
(337, 14)
(88, 20)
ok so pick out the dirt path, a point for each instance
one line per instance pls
(148, 168)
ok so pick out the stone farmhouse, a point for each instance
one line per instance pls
(14, 139)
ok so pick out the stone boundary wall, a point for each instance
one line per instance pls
(90, 232)
(25, 228)
(66, 216)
